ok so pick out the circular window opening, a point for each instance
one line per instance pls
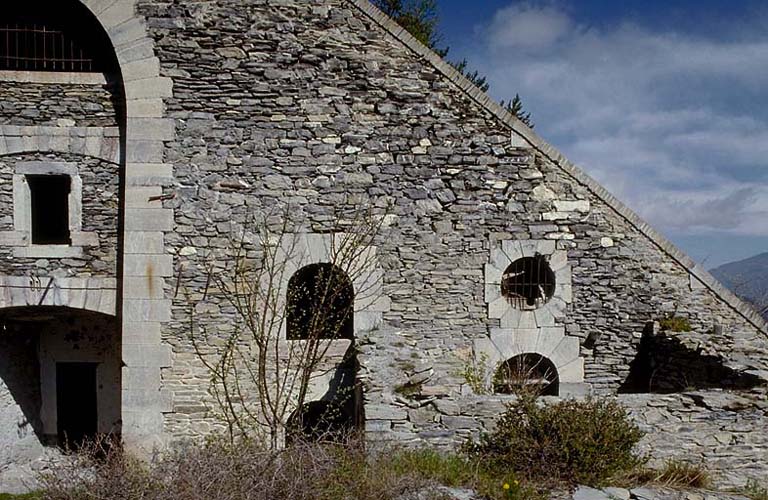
(528, 283)
(527, 374)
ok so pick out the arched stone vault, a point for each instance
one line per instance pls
(145, 264)
(549, 342)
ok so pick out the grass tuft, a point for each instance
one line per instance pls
(682, 475)
(755, 491)
(675, 324)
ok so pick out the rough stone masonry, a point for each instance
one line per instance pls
(227, 109)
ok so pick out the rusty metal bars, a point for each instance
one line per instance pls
(528, 282)
(30, 47)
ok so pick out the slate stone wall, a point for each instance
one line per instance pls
(311, 105)
(81, 105)
(100, 205)
(723, 431)
(314, 108)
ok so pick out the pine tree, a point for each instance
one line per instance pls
(417, 17)
(474, 77)
(516, 108)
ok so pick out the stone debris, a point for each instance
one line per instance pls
(647, 493)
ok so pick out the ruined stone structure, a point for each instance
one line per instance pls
(495, 252)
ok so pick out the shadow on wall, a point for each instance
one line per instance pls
(20, 373)
(338, 414)
(664, 365)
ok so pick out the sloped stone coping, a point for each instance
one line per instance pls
(699, 276)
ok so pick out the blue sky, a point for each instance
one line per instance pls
(664, 102)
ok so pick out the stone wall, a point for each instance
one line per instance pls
(317, 107)
(99, 216)
(725, 432)
(27, 103)
(69, 120)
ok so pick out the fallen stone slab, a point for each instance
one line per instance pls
(587, 493)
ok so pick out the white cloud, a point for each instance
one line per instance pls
(671, 123)
(527, 27)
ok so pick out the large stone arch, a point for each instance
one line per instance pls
(145, 265)
(44, 403)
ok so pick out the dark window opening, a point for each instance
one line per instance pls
(49, 196)
(321, 421)
(320, 304)
(528, 283)
(76, 406)
(529, 374)
(53, 36)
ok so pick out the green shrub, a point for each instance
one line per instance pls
(584, 442)
(675, 324)
(474, 372)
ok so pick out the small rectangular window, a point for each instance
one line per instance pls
(50, 209)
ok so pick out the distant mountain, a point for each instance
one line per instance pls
(748, 279)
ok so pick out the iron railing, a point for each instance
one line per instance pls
(528, 283)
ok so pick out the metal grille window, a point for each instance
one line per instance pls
(528, 283)
(59, 35)
(33, 47)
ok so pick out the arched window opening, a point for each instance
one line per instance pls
(527, 373)
(320, 421)
(528, 283)
(320, 304)
(53, 36)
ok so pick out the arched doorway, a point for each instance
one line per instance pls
(320, 307)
